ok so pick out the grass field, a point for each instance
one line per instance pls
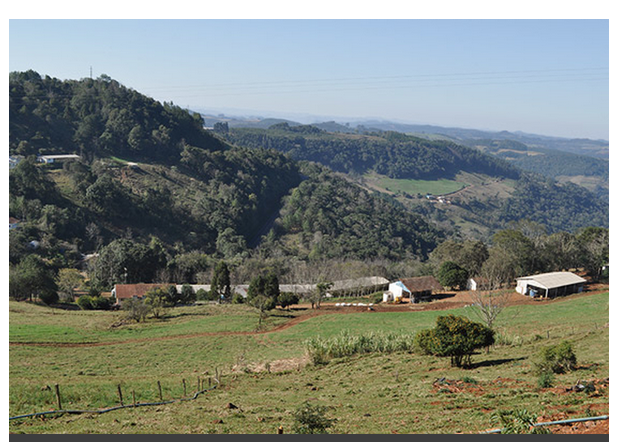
(375, 393)
(413, 187)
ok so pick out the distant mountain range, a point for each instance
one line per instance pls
(581, 146)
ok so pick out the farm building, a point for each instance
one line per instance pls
(13, 223)
(122, 292)
(550, 285)
(416, 289)
(48, 159)
(358, 286)
(477, 283)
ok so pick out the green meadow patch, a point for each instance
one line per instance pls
(412, 187)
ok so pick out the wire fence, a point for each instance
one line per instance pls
(133, 404)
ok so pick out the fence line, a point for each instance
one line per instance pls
(120, 407)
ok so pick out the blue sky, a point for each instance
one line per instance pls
(549, 77)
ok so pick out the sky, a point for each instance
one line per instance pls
(549, 77)
(541, 76)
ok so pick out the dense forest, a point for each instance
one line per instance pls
(392, 154)
(335, 218)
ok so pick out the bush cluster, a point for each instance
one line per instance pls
(87, 302)
(557, 359)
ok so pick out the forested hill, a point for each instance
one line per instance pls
(558, 207)
(97, 118)
(150, 173)
(393, 154)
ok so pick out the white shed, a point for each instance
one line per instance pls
(549, 285)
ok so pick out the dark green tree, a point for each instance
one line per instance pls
(32, 278)
(220, 285)
(456, 337)
(286, 299)
(452, 275)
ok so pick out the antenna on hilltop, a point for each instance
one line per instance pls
(90, 72)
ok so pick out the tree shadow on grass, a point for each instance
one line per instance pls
(494, 362)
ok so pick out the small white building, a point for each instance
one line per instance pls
(13, 223)
(477, 283)
(48, 159)
(550, 285)
(14, 161)
(415, 289)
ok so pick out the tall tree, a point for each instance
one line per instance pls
(221, 282)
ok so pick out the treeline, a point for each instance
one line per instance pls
(524, 249)
(392, 154)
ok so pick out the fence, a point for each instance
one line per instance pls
(134, 404)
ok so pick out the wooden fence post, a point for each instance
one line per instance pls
(120, 395)
(184, 386)
(58, 397)
(160, 391)
(134, 403)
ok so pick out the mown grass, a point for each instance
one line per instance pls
(413, 187)
(370, 393)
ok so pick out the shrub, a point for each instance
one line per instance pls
(311, 419)
(202, 295)
(518, 422)
(101, 303)
(48, 297)
(455, 336)
(286, 299)
(558, 358)
(237, 299)
(87, 302)
(546, 379)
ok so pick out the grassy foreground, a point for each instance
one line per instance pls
(375, 393)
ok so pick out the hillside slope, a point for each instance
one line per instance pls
(151, 170)
(483, 206)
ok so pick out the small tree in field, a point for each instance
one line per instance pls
(311, 419)
(286, 299)
(456, 337)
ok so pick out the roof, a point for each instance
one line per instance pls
(422, 284)
(553, 280)
(128, 291)
(68, 156)
(348, 284)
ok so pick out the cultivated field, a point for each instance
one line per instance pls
(267, 376)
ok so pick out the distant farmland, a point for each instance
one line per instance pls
(412, 187)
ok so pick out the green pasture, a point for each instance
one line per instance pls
(375, 393)
(412, 187)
